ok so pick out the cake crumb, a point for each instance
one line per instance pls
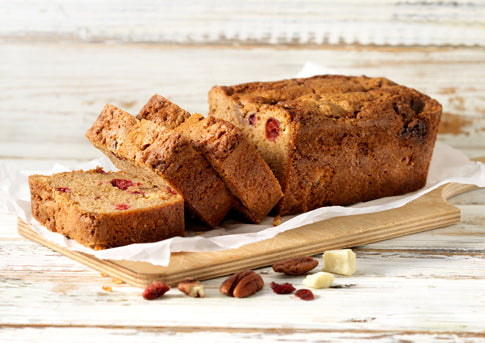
(117, 281)
(107, 288)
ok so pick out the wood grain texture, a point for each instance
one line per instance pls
(61, 61)
(391, 291)
(218, 334)
(306, 22)
(426, 287)
(55, 92)
(428, 212)
(122, 335)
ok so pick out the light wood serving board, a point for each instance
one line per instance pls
(428, 212)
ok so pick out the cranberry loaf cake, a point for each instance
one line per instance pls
(158, 154)
(106, 209)
(332, 139)
(237, 162)
(229, 152)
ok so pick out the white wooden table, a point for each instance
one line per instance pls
(60, 62)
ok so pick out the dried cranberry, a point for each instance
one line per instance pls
(63, 189)
(155, 290)
(284, 288)
(137, 191)
(272, 129)
(123, 184)
(252, 119)
(122, 207)
(305, 294)
(170, 189)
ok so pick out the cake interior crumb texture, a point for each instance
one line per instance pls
(231, 155)
(106, 209)
(332, 139)
(161, 155)
(237, 162)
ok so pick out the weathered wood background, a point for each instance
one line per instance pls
(61, 61)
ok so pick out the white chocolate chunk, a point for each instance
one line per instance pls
(339, 261)
(318, 280)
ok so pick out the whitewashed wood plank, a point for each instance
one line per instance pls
(425, 294)
(421, 262)
(7, 226)
(377, 22)
(224, 335)
(474, 197)
(391, 290)
(54, 92)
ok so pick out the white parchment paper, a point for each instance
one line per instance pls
(447, 165)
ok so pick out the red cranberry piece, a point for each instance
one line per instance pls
(122, 207)
(123, 184)
(155, 290)
(136, 191)
(63, 189)
(305, 294)
(170, 189)
(284, 288)
(252, 119)
(272, 129)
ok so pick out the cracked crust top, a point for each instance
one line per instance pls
(335, 97)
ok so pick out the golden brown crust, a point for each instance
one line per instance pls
(336, 139)
(114, 121)
(228, 151)
(155, 152)
(163, 112)
(245, 173)
(62, 203)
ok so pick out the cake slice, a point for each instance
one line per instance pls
(106, 209)
(162, 111)
(229, 152)
(333, 139)
(237, 162)
(158, 154)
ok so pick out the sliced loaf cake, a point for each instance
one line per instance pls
(334, 139)
(158, 154)
(106, 209)
(238, 163)
(229, 152)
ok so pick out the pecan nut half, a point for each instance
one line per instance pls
(296, 266)
(192, 288)
(242, 284)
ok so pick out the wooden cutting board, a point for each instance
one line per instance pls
(428, 212)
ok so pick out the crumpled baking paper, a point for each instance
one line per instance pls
(447, 165)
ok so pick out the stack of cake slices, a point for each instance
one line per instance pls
(174, 167)
(266, 147)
